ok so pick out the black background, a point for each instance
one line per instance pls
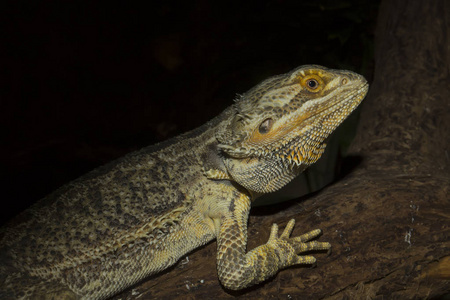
(86, 82)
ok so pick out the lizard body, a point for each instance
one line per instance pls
(140, 214)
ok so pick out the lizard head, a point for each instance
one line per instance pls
(279, 127)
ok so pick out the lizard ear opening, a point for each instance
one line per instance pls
(265, 126)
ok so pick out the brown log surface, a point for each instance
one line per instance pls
(388, 218)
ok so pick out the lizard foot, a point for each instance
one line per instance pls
(288, 248)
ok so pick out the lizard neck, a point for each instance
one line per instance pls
(261, 175)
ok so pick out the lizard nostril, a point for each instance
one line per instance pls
(344, 81)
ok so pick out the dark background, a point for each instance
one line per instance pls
(84, 82)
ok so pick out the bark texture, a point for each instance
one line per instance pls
(388, 217)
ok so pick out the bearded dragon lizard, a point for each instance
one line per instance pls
(140, 214)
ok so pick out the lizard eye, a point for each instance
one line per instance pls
(265, 126)
(312, 84)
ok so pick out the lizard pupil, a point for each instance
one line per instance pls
(265, 126)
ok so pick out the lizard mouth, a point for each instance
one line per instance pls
(309, 134)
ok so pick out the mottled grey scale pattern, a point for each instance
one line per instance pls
(134, 217)
(117, 199)
(99, 216)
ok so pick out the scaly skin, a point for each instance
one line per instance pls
(138, 215)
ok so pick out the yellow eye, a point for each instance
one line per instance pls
(312, 84)
(265, 126)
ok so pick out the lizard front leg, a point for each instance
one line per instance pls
(238, 269)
